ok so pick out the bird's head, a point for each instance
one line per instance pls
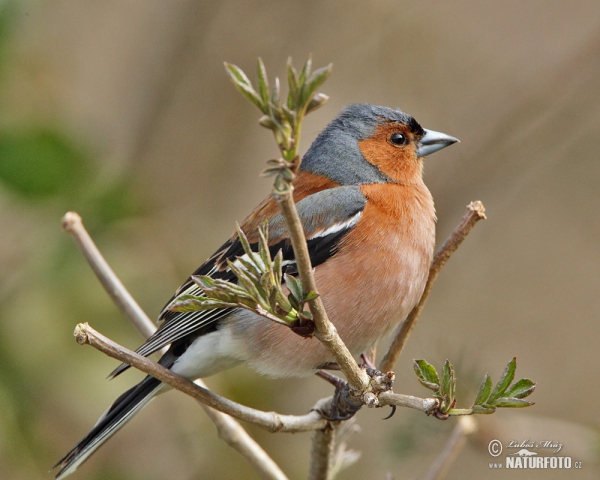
(372, 144)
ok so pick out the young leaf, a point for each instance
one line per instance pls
(427, 374)
(292, 100)
(448, 386)
(310, 296)
(505, 380)
(484, 390)
(294, 285)
(237, 74)
(317, 101)
(251, 95)
(275, 93)
(305, 73)
(243, 240)
(483, 409)
(315, 81)
(263, 82)
(512, 402)
(243, 84)
(523, 388)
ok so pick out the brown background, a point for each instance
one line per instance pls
(139, 87)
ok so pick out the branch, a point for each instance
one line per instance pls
(270, 421)
(325, 331)
(475, 212)
(464, 426)
(228, 429)
(425, 405)
(321, 452)
(72, 223)
(234, 435)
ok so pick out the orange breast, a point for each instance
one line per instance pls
(368, 287)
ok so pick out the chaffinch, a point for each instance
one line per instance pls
(369, 221)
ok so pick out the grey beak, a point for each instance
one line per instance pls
(434, 141)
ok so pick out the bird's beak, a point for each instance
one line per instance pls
(434, 141)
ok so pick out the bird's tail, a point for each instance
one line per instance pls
(122, 410)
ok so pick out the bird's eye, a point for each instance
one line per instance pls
(398, 139)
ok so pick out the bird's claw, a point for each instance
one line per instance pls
(344, 406)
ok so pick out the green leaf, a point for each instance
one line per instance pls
(244, 86)
(483, 409)
(484, 390)
(448, 387)
(317, 101)
(263, 82)
(305, 73)
(512, 402)
(198, 303)
(310, 296)
(275, 93)
(314, 82)
(292, 76)
(203, 281)
(237, 75)
(251, 95)
(250, 269)
(505, 380)
(427, 374)
(294, 285)
(263, 245)
(289, 114)
(523, 388)
(277, 261)
(243, 240)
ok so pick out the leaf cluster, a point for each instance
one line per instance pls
(259, 287)
(283, 116)
(487, 399)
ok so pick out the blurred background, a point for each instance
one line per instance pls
(121, 111)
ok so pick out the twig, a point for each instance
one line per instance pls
(232, 433)
(464, 426)
(229, 430)
(343, 457)
(270, 421)
(321, 452)
(475, 212)
(72, 224)
(325, 330)
(425, 405)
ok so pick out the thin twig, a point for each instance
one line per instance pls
(321, 452)
(270, 421)
(475, 212)
(425, 405)
(325, 330)
(229, 429)
(72, 223)
(464, 426)
(343, 457)
(232, 433)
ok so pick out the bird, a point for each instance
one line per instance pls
(369, 222)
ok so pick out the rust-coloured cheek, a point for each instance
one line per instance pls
(398, 163)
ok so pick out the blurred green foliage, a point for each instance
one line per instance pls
(43, 173)
(41, 163)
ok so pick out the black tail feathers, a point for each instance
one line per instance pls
(122, 410)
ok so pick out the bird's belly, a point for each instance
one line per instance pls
(365, 297)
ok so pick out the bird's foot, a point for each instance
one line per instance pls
(344, 405)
